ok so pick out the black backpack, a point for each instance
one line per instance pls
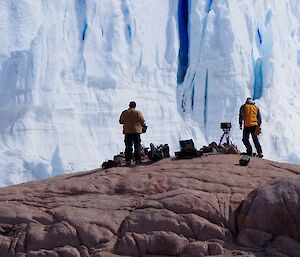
(109, 164)
(159, 152)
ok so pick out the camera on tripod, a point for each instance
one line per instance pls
(225, 126)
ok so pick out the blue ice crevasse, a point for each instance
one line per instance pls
(127, 18)
(85, 26)
(209, 4)
(258, 79)
(205, 99)
(183, 103)
(183, 56)
(259, 36)
(193, 93)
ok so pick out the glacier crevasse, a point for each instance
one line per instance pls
(68, 69)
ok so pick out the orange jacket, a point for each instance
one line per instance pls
(132, 121)
(249, 113)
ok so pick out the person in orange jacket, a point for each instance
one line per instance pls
(250, 115)
(132, 120)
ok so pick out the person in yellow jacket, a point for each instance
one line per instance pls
(250, 115)
(132, 120)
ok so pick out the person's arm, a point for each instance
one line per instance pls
(258, 117)
(241, 116)
(121, 119)
(142, 120)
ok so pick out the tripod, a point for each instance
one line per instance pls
(229, 140)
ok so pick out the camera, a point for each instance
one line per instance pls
(144, 128)
(225, 125)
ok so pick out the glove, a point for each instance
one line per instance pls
(257, 130)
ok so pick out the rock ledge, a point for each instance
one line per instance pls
(207, 206)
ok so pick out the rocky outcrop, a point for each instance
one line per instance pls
(207, 206)
(270, 216)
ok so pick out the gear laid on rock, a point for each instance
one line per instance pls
(208, 206)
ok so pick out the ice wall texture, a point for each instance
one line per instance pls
(239, 49)
(68, 68)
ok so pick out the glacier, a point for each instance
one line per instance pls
(69, 68)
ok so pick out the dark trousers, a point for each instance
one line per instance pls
(132, 139)
(246, 132)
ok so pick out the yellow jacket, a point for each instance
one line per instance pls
(249, 113)
(132, 121)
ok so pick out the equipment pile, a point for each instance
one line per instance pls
(148, 155)
(188, 150)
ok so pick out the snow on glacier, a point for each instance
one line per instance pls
(241, 49)
(68, 69)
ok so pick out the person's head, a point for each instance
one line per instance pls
(132, 104)
(249, 100)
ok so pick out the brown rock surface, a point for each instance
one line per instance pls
(268, 213)
(170, 208)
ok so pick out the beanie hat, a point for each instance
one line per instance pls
(132, 104)
(249, 100)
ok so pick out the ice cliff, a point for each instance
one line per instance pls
(68, 69)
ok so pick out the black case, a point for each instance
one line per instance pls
(244, 160)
